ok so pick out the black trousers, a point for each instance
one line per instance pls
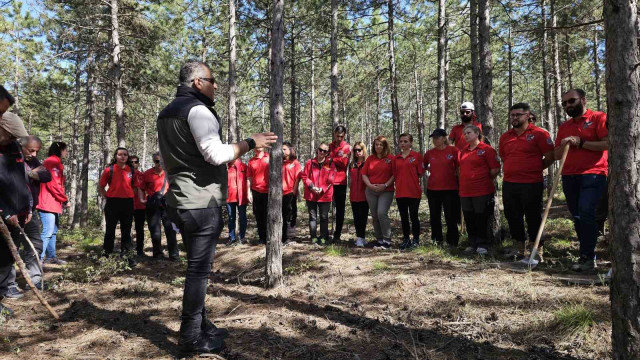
(360, 216)
(157, 218)
(293, 218)
(449, 201)
(408, 209)
(118, 210)
(477, 210)
(318, 211)
(200, 229)
(339, 199)
(286, 214)
(138, 220)
(523, 201)
(260, 210)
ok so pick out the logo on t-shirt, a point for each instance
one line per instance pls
(388, 161)
(481, 152)
(449, 156)
(340, 153)
(265, 160)
(291, 165)
(549, 141)
(587, 124)
(530, 137)
(411, 159)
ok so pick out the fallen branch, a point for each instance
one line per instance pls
(4, 230)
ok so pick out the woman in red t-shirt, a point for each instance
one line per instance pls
(377, 175)
(317, 177)
(139, 207)
(359, 205)
(258, 174)
(237, 200)
(290, 178)
(407, 172)
(119, 176)
(442, 187)
(479, 165)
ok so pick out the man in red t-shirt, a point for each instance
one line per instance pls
(468, 117)
(339, 153)
(584, 175)
(525, 150)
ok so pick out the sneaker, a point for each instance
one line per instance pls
(132, 262)
(374, 243)
(5, 311)
(481, 251)
(205, 344)
(57, 261)
(360, 242)
(469, 250)
(415, 243)
(323, 242)
(406, 244)
(584, 264)
(336, 237)
(13, 293)
(385, 244)
(231, 242)
(38, 286)
(242, 241)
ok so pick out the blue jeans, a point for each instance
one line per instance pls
(242, 212)
(49, 231)
(583, 193)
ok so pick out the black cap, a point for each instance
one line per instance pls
(438, 133)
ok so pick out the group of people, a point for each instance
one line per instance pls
(199, 175)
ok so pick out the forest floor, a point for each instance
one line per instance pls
(339, 302)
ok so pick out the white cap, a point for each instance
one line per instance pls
(467, 106)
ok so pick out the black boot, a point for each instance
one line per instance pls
(406, 244)
(205, 344)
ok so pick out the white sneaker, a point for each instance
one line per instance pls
(481, 251)
(360, 242)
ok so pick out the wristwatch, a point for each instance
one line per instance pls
(251, 143)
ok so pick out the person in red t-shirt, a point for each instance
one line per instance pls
(290, 179)
(359, 205)
(154, 187)
(318, 178)
(407, 172)
(479, 165)
(119, 177)
(377, 175)
(584, 175)
(339, 152)
(139, 207)
(258, 174)
(237, 200)
(442, 187)
(525, 151)
(468, 117)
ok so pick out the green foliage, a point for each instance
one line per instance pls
(95, 268)
(381, 266)
(300, 267)
(178, 281)
(335, 250)
(574, 318)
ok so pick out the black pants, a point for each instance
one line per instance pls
(602, 209)
(200, 229)
(523, 201)
(260, 210)
(318, 210)
(118, 210)
(138, 220)
(293, 218)
(339, 199)
(449, 201)
(360, 216)
(476, 211)
(157, 218)
(408, 209)
(286, 213)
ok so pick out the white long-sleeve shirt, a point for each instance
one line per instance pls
(205, 130)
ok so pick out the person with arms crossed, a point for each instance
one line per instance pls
(339, 152)
(407, 172)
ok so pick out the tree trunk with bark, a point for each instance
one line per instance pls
(334, 64)
(419, 122)
(73, 183)
(116, 73)
(314, 127)
(623, 106)
(596, 69)
(274, 218)
(546, 115)
(473, 44)
(510, 68)
(557, 77)
(231, 105)
(292, 65)
(395, 107)
(82, 208)
(378, 104)
(442, 75)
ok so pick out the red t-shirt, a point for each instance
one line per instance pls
(592, 126)
(522, 155)
(237, 183)
(357, 186)
(258, 172)
(457, 136)
(340, 157)
(406, 173)
(442, 168)
(120, 186)
(475, 179)
(290, 172)
(378, 170)
(152, 182)
(139, 184)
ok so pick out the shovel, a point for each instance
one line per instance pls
(531, 261)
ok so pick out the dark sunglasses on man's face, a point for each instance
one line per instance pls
(135, 161)
(323, 151)
(570, 101)
(466, 112)
(357, 149)
(156, 161)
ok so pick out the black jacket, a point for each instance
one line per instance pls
(34, 185)
(15, 196)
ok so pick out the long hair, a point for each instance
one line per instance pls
(386, 149)
(114, 159)
(56, 148)
(292, 150)
(354, 158)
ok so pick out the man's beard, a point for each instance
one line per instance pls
(466, 119)
(575, 111)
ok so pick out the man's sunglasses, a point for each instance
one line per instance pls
(570, 101)
(135, 161)
(211, 80)
(357, 149)
(156, 161)
(323, 151)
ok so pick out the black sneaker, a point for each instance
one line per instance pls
(13, 293)
(385, 244)
(205, 344)
(5, 311)
(132, 262)
(374, 243)
(406, 244)
(231, 242)
(415, 243)
(214, 331)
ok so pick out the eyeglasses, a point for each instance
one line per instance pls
(465, 112)
(516, 115)
(323, 151)
(156, 161)
(135, 161)
(570, 101)
(357, 150)
(211, 80)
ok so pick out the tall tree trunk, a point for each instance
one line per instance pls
(314, 127)
(334, 64)
(116, 72)
(292, 79)
(106, 141)
(596, 69)
(557, 77)
(274, 218)
(510, 69)
(442, 38)
(16, 73)
(546, 115)
(473, 44)
(485, 99)
(378, 105)
(567, 52)
(143, 156)
(82, 208)
(419, 123)
(73, 184)
(231, 109)
(395, 107)
(623, 105)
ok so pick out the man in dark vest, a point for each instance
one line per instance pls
(189, 135)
